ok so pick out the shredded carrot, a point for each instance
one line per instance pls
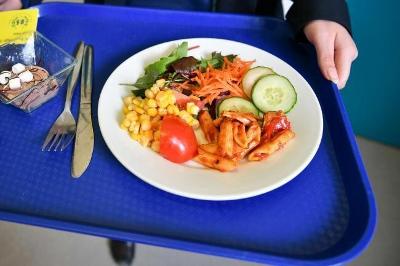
(181, 86)
(215, 83)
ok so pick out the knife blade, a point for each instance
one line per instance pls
(84, 139)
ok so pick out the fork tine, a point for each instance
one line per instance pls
(49, 137)
(56, 137)
(68, 141)
(59, 142)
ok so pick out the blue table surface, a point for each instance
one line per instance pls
(316, 218)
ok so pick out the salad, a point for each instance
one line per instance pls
(216, 110)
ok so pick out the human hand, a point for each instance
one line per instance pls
(335, 48)
(10, 4)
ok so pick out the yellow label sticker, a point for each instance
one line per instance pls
(17, 26)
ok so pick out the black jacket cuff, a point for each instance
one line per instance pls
(305, 11)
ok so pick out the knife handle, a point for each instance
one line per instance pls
(87, 74)
(74, 76)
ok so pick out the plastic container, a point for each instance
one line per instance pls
(41, 52)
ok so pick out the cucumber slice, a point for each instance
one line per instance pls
(252, 76)
(237, 104)
(274, 93)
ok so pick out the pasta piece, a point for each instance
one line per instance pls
(253, 132)
(225, 139)
(210, 148)
(267, 148)
(244, 118)
(208, 127)
(239, 134)
(216, 162)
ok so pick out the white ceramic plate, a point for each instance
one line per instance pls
(190, 179)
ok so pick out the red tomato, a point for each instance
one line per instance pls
(177, 140)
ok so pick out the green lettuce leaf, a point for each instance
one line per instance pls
(154, 70)
(216, 60)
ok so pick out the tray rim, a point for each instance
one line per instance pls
(185, 245)
(213, 249)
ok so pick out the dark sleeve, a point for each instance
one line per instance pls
(304, 11)
(29, 3)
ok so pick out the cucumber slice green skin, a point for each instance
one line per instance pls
(274, 93)
(251, 77)
(237, 104)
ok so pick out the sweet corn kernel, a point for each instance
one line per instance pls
(128, 100)
(164, 104)
(136, 129)
(144, 117)
(145, 125)
(155, 122)
(171, 99)
(176, 110)
(144, 140)
(160, 82)
(157, 118)
(123, 127)
(126, 122)
(148, 134)
(132, 126)
(152, 112)
(189, 120)
(139, 110)
(136, 101)
(125, 109)
(155, 89)
(162, 99)
(160, 95)
(157, 134)
(131, 107)
(134, 136)
(171, 109)
(162, 111)
(151, 103)
(155, 146)
(188, 105)
(149, 94)
(132, 116)
(192, 108)
(194, 123)
(184, 115)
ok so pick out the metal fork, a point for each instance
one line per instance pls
(63, 130)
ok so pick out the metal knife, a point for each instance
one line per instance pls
(84, 140)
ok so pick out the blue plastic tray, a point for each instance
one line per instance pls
(324, 216)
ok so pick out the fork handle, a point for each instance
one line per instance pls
(74, 76)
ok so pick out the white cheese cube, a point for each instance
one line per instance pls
(15, 83)
(18, 68)
(26, 76)
(4, 77)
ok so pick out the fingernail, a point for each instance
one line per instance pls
(333, 76)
